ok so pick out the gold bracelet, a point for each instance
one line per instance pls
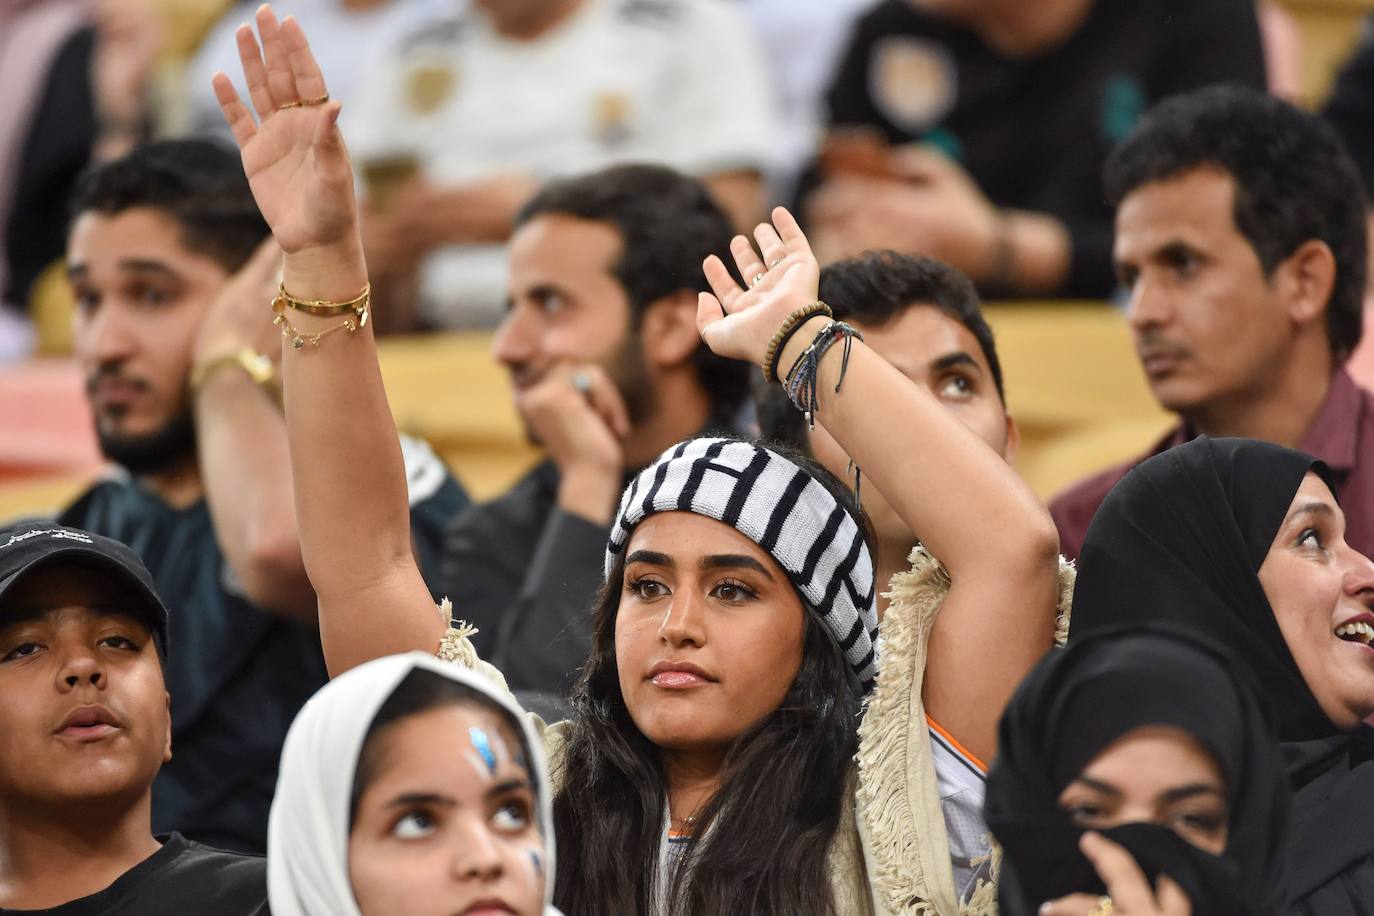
(794, 321)
(300, 338)
(257, 366)
(324, 307)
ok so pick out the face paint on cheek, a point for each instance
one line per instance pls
(482, 744)
(538, 861)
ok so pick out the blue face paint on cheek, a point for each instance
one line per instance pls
(538, 861)
(482, 743)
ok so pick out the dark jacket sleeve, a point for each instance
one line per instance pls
(524, 573)
(546, 635)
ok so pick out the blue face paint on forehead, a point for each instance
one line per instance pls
(482, 743)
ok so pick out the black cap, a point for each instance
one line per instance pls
(36, 545)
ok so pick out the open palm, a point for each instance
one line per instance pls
(293, 155)
(738, 322)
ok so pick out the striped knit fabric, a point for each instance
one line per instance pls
(778, 506)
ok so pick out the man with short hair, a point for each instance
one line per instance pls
(86, 721)
(924, 318)
(1240, 236)
(608, 368)
(172, 331)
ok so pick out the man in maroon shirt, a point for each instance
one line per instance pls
(1240, 237)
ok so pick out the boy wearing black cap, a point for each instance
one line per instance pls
(85, 725)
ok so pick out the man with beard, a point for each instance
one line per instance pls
(601, 344)
(173, 346)
(1240, 236)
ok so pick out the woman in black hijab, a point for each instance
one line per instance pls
(1210, 812)
(1242, 543)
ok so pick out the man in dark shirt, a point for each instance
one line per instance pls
(86, 721)
(1240, 235)
(205, 493)
(1013, 106)
(608, 368)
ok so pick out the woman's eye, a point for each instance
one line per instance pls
(23, 650)
(1310, 537)
(1084, 814)
(512, 817)
(1198, 822)
(413, 826)
(647, 589)
(733, 591)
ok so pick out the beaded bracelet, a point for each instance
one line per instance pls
(789, 327)
(801, 378)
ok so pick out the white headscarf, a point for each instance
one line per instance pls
(307, 831)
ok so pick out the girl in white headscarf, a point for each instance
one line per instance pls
(410, 786)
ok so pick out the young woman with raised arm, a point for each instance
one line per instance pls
(710, 757)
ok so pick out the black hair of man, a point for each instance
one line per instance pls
(1293, 181)
(199, 183)
(874, 290)
(668, 223)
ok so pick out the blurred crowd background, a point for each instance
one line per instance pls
(456, 110)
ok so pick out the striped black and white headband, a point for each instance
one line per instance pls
(780, 507)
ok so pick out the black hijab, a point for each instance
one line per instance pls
(1078, 701)
(1182, 538)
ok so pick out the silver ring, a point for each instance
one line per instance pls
(582, 382)
(774, 263)
(757, 279)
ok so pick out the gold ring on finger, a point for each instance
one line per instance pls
(757, 279)
(1104, 907)
(303, 103)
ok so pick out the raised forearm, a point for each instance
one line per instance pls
(349, 476)
(961, 498)
(244, 463)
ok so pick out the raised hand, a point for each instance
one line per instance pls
(738, 322)
(293, 154)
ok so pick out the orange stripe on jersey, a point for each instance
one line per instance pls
(954, 742)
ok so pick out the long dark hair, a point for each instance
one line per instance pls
(764, 837)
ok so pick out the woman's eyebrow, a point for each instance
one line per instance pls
(734, 561)
(653, 558)
(1313, 508)
(509, 785)
(408, 799)
(1098, 786)
(1182, 793)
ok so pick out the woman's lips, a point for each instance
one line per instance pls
(485, 908)
(678, 680)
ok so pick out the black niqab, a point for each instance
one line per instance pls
(1080, 700)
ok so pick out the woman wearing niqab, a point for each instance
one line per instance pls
(1181, 539)
(1081, 700)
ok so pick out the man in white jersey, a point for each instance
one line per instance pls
(468, 114)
